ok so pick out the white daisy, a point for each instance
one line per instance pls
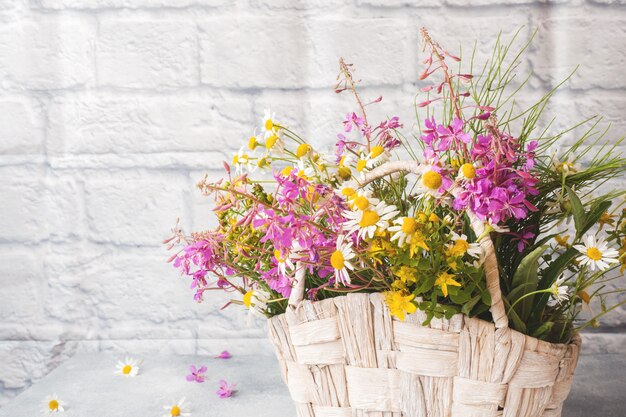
(404, 229)
(242, 162)
(460, 246)
(128, 368)
(256, 301)
(367, 221)
(467, 172)
(377, 155)
(270, 127)
(283, 262)
(52, 404)
(558, 291)
(179, 409)
(340, 260)
(596, 254)
(430, 180)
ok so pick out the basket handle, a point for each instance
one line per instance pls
(497, 308)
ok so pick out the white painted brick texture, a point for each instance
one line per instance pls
(111, 111)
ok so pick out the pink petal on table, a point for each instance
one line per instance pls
(224, 355)
(225, 390)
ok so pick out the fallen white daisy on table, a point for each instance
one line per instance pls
(52, 404)
(128, 367)
(178, 409)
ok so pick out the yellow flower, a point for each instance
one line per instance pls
(443, 280)
(399, 304)
(398, 285)
(302, 150)
(606, 218)
(406, 274)
(247, 298)
(434, 218)
(467, 171)
(417, 241)
(252, 143)
(562, 240)
(270, 142)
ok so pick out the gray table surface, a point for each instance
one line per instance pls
(88, 384)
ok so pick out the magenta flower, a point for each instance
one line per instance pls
(197, 374)
(224, 355)
(225, 390)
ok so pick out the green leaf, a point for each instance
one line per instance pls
(594, 215)
(525, 280)
(578, 211)
(467, 307)
(515, 322)
(543, 329)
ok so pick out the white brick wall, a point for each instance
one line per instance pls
(111, 110)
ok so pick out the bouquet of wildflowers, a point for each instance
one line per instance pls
(293, 218)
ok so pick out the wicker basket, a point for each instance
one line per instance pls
(347, 357)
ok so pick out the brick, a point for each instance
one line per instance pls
(40, 209)
(565, 42)
(21, 126)
(128, 123)
(297, 4)
(147, 53)
(126, 4)
(132, 209)
(242, 52)
(47, 52)
(23, 286)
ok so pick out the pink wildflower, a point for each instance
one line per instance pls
(224, 355)
(197, 375)
(225, 390)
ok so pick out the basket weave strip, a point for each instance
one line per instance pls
(347, 357)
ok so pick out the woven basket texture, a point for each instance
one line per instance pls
(348, 357)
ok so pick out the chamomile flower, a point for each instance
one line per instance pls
(362, 200)
(283, 262)
(596, 254)
(340, 260)
(558, 291)
(367, 222)
(403, 230)
(253, 141)
(343, 167)
(467, 172)
(460, 246)
(256, 301)
(377, 155)
(302, 150)
(179, 409)
(431, 180)
(52, 404)
(242, 162)
(129, 367)
(270, 127)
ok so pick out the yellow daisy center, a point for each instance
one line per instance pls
(126, 369)
(262, 163)
(360, 166)
(348, 191)
(252, 143)
(278, 256)
(468, 171)
(269, 124)
(175, 411)
(247, 298)
(461, 246)
(270, 142)
(377, 151)
(409, 225)
(342, 161)
(53, 405)
(369, 218)
(432, 180)
(344, 172)
(286, 171)
(302, 150)
(337, 260)
(235, 159)
(594, 254)
(361, 202)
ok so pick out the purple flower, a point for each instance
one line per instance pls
(522, 238)
(225, 390)
(197, 375)
(224, 355)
